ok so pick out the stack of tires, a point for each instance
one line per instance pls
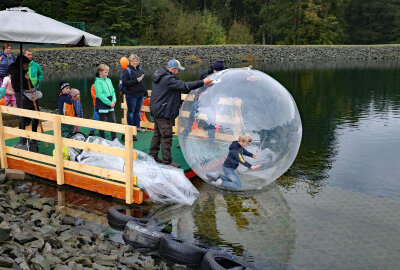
(139, 235)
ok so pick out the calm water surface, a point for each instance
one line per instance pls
(338, 207)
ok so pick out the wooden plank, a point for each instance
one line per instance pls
(147, 125)
(86, 182)
(30, 155)
(27, 113)
(3, 154)
(82, 122)
(29, 134)
(58, 156)
(94, 171)
(128, 164)
(103, 149)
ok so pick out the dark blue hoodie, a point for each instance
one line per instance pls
(236, 152)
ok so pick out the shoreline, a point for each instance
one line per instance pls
(76, 58)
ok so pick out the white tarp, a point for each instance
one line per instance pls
(23, 25)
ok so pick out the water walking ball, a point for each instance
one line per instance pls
(124, 62)
(2, 92)
(240, 100)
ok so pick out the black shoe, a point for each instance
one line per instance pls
(178, 146)
(91, 133)
(134, 138)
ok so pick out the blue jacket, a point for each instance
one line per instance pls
(235, 156)
(5, 63)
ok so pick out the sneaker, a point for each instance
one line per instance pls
(178, 146)
(212, 177)
(134, 138)
(173, 164)
(217, 183)
(91, 133)
(141, 129)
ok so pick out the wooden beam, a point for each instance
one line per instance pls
(27, 113)
(103, 149)
(58, 156)
(28, 134)
(30, 155)
(3, 153)
(129, 164)
(82, 122)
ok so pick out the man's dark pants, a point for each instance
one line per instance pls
(162, 135)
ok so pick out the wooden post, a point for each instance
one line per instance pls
(58, 149)
(124, 120)
(3, 154)
(129, 130)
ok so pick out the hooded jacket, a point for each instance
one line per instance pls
(133, 87)
(35, 73)
(235, 156)
(105, 94)
(166, 93)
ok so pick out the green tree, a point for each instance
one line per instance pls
(240, 34)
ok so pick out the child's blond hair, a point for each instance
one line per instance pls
(245, 137)
(102, 67)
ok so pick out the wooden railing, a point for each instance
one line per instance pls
(104, 175)
(234, 120)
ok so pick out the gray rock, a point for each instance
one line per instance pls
(53, 260)
(61, 267)
(105, 260)
(24, 188)
(2, 178)
(68, 220)
(23, 238)
(75, 266)
(6, 261)
(34, 204)
(36, 244)
(86, 232)
(100, 267)
(5, 231)
(40, 262)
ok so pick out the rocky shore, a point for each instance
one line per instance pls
(51, 59)
(33, 235)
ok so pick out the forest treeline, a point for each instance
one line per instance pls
(197, 22)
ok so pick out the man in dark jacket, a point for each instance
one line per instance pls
(164, 107)
(217, 66)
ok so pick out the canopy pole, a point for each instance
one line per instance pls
(21, 74)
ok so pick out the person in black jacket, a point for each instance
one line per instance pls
(164, 107)
(22, 101)
(217, 66)
(229, 178)
(135, 91)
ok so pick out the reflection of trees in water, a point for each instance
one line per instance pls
(331, 99)
(257, 226)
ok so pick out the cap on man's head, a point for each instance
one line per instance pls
(218, 65)
(175, 64)
(63, 85)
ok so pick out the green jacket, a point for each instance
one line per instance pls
(104, 89)
(35, 73)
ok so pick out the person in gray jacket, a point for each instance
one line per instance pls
(164, 107)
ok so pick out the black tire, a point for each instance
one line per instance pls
(176, 251)
(139, 236)
(118, 220)
(216, 260)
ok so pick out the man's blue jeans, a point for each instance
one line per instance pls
(230, 179)
(134, 104)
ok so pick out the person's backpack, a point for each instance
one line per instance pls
(122, 87)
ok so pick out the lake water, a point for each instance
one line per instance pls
(338, 206)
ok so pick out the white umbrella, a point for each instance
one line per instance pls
(23, 25)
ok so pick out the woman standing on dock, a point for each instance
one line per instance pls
(105, 98)
(135, 91)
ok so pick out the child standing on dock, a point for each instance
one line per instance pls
(66, 107)
(10, 95)
(76, 100)
(105, 98)
(229, 178)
